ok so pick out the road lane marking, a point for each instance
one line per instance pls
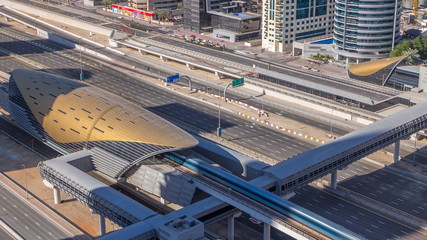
(375, 213)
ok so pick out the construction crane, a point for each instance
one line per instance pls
(415, 7)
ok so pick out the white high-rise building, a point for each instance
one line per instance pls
(285, 21)
(366, 29)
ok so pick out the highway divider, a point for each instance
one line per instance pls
(283, 129)
(264, 121)
(10, 230)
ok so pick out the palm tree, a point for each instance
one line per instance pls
(156, 13)
(412, 56)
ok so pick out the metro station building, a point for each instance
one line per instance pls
(71, 116)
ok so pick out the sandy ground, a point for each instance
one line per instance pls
(20, 165)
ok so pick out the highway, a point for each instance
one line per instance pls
(387, 187)
(200, 116)
(364, 89)
(182, 109)
(4, 235)
(354, 217)
(267, 106)
(29, 223)
(245, 229)
(348, 85)
(253, 102)
(277, 110)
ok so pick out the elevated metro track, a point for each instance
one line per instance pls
(268, 207)
(349, 87)
(318, 162)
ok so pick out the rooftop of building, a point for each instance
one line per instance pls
(237, 16)
(72, 111)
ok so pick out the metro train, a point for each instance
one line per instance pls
(266, 198)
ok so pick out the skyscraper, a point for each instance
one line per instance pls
(285, 21)
(366, 29)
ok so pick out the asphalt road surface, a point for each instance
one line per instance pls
(204, 117)
(4, 235)
(353, 217)
(351, 86)
(389, 188)
(25, 220)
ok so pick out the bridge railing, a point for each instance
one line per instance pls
(340, 161)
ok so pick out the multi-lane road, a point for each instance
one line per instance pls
(384, 186)
(354, 217)
(29, 223)
(199, 116)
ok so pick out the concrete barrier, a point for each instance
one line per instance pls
(10, 230)
(312, 105)
(57, 17)
(283, 129)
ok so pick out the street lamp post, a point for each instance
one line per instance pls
(219, 129)
(81, 63)
(26, 183)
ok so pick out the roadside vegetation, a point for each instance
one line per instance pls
(415, 51)
(321, 57)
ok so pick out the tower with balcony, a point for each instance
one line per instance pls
(285, 21)
(366, 29)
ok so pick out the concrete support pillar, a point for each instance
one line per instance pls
(218, 75)
(163, 201)
(56, 195)
(101, 225)
(190, 67)
(334, 176)
(396, 151)
(164, 59)
(267, 231)
(231, 227)
(141, 52)
(6, 19)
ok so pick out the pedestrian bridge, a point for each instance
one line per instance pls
(318, 162)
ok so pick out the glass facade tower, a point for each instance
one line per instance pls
(366, 29)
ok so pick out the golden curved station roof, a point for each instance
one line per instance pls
(71, 111)
(371, 67)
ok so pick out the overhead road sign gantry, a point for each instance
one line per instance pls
(238, 82)
(173, 78)
(235, 83)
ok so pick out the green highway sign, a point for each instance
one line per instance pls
(238, 82)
